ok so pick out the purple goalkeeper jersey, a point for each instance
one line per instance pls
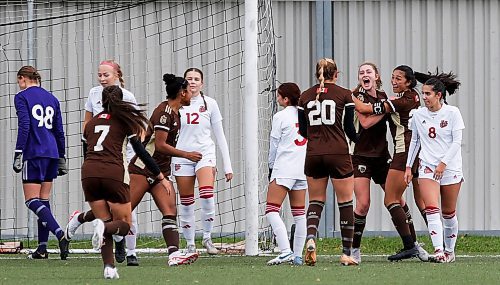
(40, 130)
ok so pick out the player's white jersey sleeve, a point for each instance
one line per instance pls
(436, 134)
(291, 151)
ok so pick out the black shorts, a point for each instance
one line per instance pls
(337, 166)
(110, 190)
(375, 168)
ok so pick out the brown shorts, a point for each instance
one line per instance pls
(336, 166)
(132, 169)
(110, 190)
(399, 163)
(375, 168)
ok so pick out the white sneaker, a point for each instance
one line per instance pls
(211, 249)
(72, 225)
(178, 258)
(286, 257)
(423, 255)
(191, 248)
(98, 237)
(438, 257)
(356, 255)
(449, 257)
(111, 273)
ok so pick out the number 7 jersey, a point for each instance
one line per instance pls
(325, 133)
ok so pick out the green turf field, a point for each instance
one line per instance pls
(481, 267)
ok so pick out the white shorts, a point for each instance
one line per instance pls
(189, 169)
(426, 170)
(292, 184)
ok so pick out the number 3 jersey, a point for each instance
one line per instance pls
(435, 131)
(107, 139)
(40, 130)
(287, 150)
(325, 133)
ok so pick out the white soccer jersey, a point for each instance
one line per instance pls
(197, 122)
(288, 158)
(94, 106)
(435, 133)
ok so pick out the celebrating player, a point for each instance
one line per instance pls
(287, 148)
(197, 121)
(105, 177)
(109, 73)
(160, 141)
(39, 154)
(437, 129)
(320, 121)
(401, 107)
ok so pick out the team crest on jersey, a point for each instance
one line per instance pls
(362, 168)
(361, 97)
(163, 119)
(104, 116)
(203, 109)
(177, 167)
(443, 124)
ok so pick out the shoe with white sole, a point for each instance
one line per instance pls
(310, 258)
(449, 256)
(110, 272)
(98, 236)
(209, 245)
(286, 257)
(438, 257)
(72, 225)
(191, 248)
(177, 258)
(356, 255)
(423, 255)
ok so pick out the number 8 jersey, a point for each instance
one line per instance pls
(325, 133)
(40, 129)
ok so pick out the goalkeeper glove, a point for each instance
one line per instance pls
(18, 161)
(62, 169)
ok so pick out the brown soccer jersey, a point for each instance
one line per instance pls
(401, 113)
(324, 119)
(166, 120)
(107, 147)
(372, 141)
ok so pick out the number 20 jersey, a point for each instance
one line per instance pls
(40, 129)
(325, 133)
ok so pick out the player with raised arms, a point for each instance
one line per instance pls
(287, 153)
(437, 131)
(39, 154)
(320, 121)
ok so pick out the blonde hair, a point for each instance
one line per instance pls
(326, 68)
(116, 67)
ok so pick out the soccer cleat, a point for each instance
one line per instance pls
(63, 248)
(438, 257)
(178, 258)
(404, 254)
(132, 260)
(310, 257)
(423, 255)
(191, 248)
(38, 255)
(98, 236)
(120, 252)
(286, 257)
(297, 260)
(72, 225)
(347, 260)
(356, 255)
(110, 272)
(211, 249)
(450, 256)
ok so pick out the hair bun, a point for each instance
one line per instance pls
(168, 78)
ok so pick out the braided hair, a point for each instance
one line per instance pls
(194, 69)
(116, 67)
(326, 69)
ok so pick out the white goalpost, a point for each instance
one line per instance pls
(231, 41)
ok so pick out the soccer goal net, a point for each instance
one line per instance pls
(66, 40)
